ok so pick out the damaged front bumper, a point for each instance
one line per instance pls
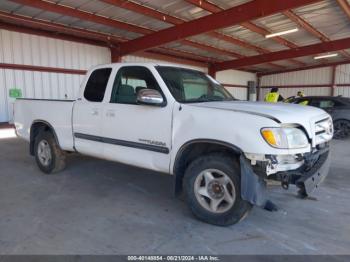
(305, 171)
(308, 176)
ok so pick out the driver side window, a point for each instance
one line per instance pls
(129, 81)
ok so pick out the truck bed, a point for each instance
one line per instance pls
(56, 113)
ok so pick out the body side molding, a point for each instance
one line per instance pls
(106, 140)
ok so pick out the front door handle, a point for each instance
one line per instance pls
(94, 112)
(110, 113)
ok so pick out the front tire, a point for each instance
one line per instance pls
(213, 190)
(48, 155)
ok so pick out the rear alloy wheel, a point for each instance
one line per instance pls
(44, 153)
(48, 155)
(213, 189)
(341, 129)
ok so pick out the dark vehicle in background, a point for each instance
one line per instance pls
(338, 107)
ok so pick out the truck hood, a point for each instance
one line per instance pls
(279, 112)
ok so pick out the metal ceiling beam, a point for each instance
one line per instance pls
(185, 55)
(215, 9)
(305, 68)
(58, 28)
(248, 25)
(345, 6)
(236, 41)
(210, 48)
(247, 45)
(68, 11)
(61, 36)
(286, 54)
(48, 29)
(263, 32)
(308, 27)
(232, 16)
(147, 11)
(164, 56)
(206, 5)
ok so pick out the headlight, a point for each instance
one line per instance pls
(285, 137)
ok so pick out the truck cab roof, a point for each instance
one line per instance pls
(146, 64)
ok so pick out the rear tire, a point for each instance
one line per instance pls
(213, 190)
(48, 155)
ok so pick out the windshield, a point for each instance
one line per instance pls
(191, 86)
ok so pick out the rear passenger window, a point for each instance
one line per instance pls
(96, 85)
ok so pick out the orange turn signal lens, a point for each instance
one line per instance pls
(269, 137)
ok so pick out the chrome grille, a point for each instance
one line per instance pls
(323, 130)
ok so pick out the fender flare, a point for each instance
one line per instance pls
(253, 187)
(209, 141)
(32, 140)
(176, 166)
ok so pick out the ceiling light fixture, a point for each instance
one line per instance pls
(282, 33)
(325, 56)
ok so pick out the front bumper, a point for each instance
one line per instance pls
(310, 175)
(307, 177)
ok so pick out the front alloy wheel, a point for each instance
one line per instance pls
(214, 190)
(212, 185)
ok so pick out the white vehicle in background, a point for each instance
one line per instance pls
(182, 122)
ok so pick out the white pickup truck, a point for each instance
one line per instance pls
(183, 122)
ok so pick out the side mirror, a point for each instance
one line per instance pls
(150, 97)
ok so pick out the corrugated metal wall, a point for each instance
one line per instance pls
(26, 49)
(343, 77)
(312, 76)
(238, 92)
(288, 92)
(317, 76)
(19, 48)
(35, 85)
(238, 78)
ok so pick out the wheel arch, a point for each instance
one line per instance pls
(35, 128)
(194, 148)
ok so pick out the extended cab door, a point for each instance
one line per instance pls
(88, 112)
(137, 134)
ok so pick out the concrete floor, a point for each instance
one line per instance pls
(99, 207)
